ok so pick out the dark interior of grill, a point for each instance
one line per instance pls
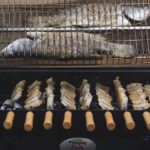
(17, 138)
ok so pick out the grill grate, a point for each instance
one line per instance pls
(72, 32)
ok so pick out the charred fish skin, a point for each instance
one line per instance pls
(33, 98)
(68, 45)
(85, 95)
(121, 94)
(50, 93)
(68, 95)
(17, 92)
(96, 14)
(79, 44)
(137, 95)
(104, 99)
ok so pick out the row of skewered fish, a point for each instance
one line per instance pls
(78, 44)
(138, 94)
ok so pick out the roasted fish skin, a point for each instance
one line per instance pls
(137, 96)
(78, 44)
(17, 92)
(121, 94)
(72, 45)
(104, 99)
(85, 95)
(33, 96)
(68, 95)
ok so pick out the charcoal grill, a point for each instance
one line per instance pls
(103, 69)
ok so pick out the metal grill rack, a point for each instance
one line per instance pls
(15, 15)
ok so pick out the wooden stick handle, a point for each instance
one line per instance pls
(90, 124)
(8, 123)
(146, 116)
(110, 124)
(67, 122)
(48, 120)
(130, 124)
(28, 125)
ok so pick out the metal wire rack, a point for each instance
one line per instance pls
(75, 33)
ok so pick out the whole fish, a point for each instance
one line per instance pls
(94, 14)
(78, 44)
(68, 45)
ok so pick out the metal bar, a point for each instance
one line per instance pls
(20, 29)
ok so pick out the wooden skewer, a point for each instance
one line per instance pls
(8, 123)
(146, 116)
(48, 120)
(67, 122)
(90, 124)
(28, 125)
(110, 124)
(130, 124)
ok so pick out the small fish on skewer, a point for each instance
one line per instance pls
(121, 94)
(50, 93)
(85, 95)
(34, 96)
(17, 92)
(68, 95)
(137, 96)
(11, 104)
(104, 99)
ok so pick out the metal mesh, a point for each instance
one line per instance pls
(83, 32)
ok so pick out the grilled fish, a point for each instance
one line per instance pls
(121, 94)
(33, 96)
(85, 15)
(17, 92)
(68, 45)
(137, 96)
(85, 95)
(104, 98)
(96, 14)
(68, 95)
(50, 93)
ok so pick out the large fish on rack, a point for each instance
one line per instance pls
(68, 45)
(96, 14)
